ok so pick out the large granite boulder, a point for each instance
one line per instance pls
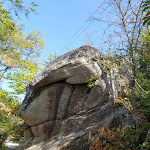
(60, 107)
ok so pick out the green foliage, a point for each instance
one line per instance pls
(18, 65)
(50, 59)
(18, 53)
(142, 88)
(19, 6)
(92, 80)
(146, 8)
(10, 124)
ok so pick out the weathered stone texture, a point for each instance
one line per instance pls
(59, 107)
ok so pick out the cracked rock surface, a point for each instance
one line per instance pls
(59, 107)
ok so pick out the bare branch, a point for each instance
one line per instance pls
(136, 21)
(127, 7)
(4, 72)
(140, 86)
(113, 22)
(124, 22)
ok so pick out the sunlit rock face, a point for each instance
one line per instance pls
(59, 107)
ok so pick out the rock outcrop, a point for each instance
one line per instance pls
(60, 107)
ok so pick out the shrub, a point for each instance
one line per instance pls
(116, 139)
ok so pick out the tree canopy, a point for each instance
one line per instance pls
(18, 64)
(146, 9)
(130, 21)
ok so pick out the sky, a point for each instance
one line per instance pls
(64, 24)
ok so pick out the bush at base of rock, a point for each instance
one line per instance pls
(121, 138)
